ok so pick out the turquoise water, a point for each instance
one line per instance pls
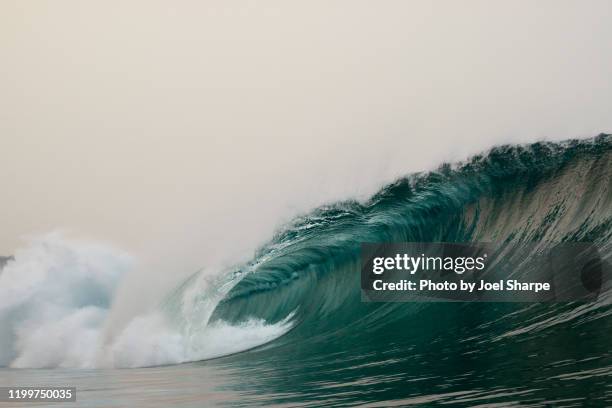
(341, 351)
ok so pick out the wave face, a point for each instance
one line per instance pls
(292, 323)
(344, 351)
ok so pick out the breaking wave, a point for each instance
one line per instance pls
(300, 293)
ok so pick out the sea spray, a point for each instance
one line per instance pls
(55, 297)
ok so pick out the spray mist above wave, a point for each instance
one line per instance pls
(56, 295)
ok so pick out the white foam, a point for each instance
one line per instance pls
(149, 341)
(56, 297)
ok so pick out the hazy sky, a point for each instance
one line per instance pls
(192, 129)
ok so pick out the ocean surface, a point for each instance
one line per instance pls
(289, 328)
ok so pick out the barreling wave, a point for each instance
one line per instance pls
(305, 283)
(544, 192)
(335, 349)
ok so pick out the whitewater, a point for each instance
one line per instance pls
(56, 294)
